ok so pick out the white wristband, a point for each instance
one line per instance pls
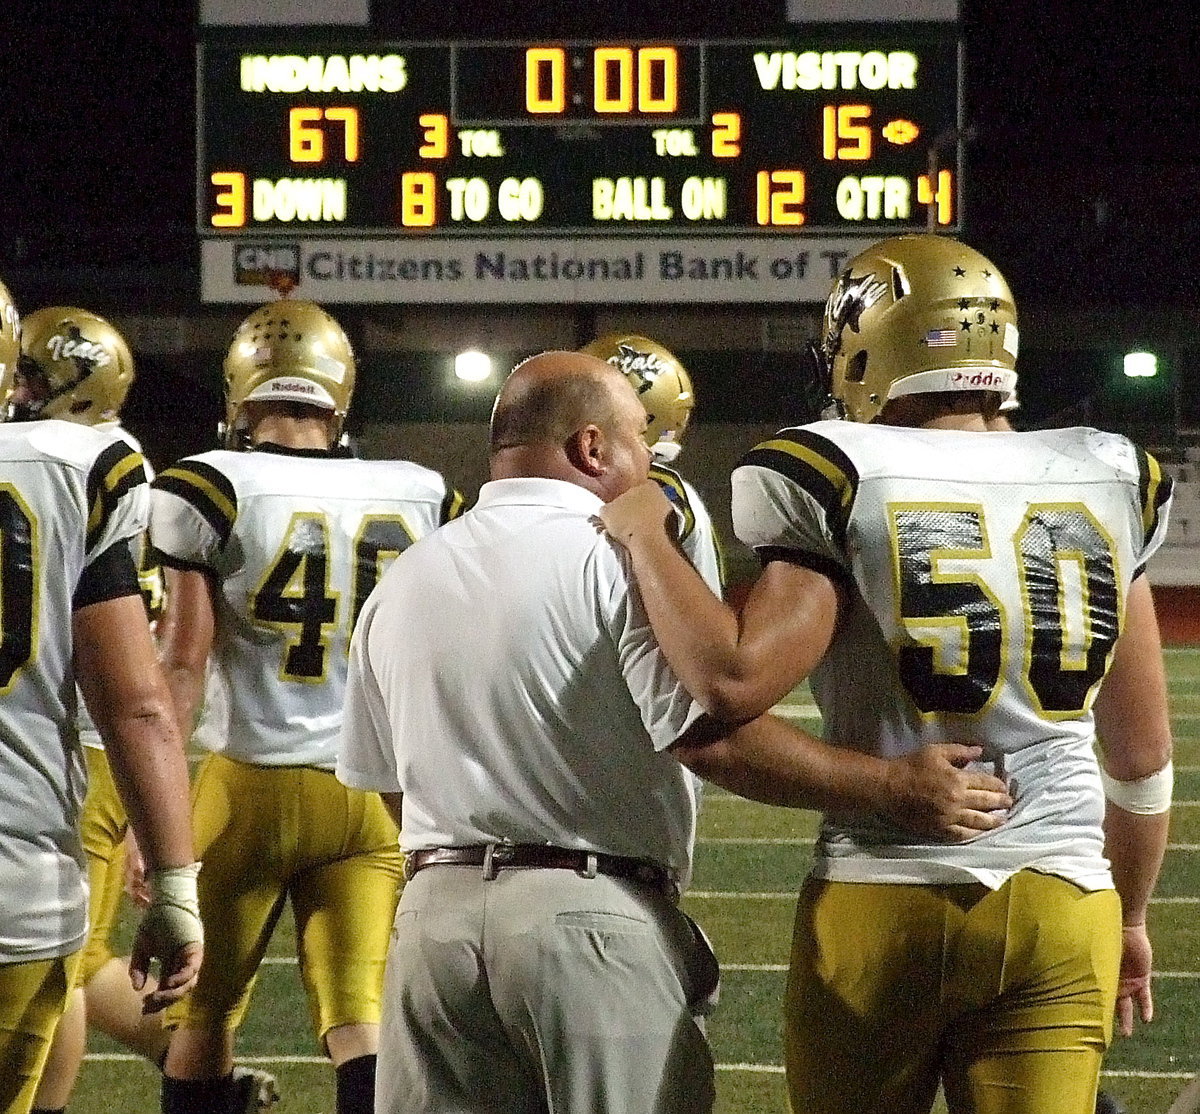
(1146, 796)
(173, 918)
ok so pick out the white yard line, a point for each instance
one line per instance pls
(809, 841)
(290, 961)
(763, 841)
(762, 1069)
(790, 895)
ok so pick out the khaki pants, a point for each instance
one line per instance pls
(1005, 997)
(542, 992)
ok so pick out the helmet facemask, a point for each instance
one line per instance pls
(30, 392)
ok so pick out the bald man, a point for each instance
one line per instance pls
(507, 698)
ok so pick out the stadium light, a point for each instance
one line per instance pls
(473, 366)
(1141, 365)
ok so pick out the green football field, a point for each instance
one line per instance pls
(749, 862)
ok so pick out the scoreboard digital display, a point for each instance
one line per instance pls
(822, 133)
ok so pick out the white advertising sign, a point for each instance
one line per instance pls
(597, 271)
(872, 11)
(284, 13)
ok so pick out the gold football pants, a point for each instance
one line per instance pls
(267, 835)
(1005, 997)
(102, 825)
(32, 999)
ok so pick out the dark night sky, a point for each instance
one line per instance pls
(1086, 116)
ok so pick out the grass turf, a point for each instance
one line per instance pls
(749, 861)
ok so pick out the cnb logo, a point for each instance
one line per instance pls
(266, 265)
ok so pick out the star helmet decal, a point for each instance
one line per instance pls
(849, 300)
(646, 367)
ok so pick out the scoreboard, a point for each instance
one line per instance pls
(829, 132)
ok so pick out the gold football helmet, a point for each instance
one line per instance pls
(10, 340)
(662, 384)
(287, 351)
(916, 314)
(74, 366)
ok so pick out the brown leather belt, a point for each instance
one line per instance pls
(493, 857)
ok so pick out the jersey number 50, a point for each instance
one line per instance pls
(959, 633)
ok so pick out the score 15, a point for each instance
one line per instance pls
(306, 140)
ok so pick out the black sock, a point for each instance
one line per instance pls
(196, 1096)
(49, 1110)
(356, 1085)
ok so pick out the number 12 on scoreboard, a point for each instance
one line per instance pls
(779, 197)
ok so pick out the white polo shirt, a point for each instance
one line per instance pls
(505, 679)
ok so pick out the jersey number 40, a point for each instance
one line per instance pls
(297, 595)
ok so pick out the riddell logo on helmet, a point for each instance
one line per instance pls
(980, 379)
(292, 387)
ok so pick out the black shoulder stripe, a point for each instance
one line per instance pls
(115, 472)
(206, 489)
(672, 484)
(1154, 489)
(817, 466)
(815, 561)
(452, 505)
(166, 561)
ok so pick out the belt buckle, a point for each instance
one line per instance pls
(495, 855)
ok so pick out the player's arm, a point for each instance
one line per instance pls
(735, 664)
(185, 637)
(123, 687)
(928, 792)
(1134, 731)
(768, 760)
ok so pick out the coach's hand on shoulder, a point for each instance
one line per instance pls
(170, 932)
(932, 793)
(642, 511)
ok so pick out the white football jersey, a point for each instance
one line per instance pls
(67, 493)
(986, 578)
(150, 578)
(697, 535)
(296, 540)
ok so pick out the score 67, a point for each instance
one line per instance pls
(306, 141)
